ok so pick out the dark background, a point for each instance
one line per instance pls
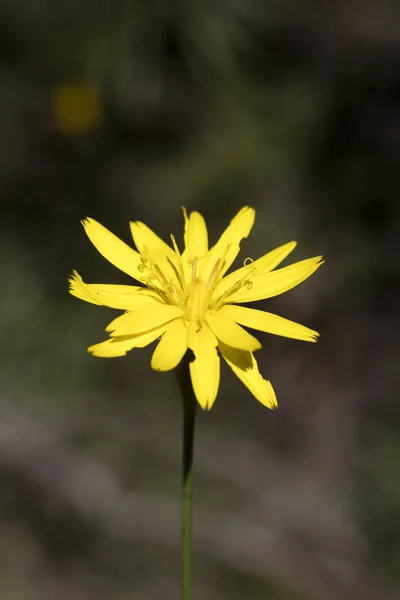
(125, 110)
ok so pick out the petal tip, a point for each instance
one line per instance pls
(136, 223)
(185, 215)
(75, 283)
(206, 404)
(92, 351)
(157, 368)
(73, 278)
(248, 210)
(270, 400)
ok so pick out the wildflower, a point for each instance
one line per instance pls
(188, 301)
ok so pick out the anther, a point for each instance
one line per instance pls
(194, 268)
(212, 274)
(161, 274)
(175, 245)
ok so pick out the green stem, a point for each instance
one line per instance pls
(189, 418)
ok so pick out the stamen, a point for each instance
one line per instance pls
(149, 281)
(216, 273)
(158, 282)
(160, 274)
(225, 254)
(177, 296)
(180, 272)
(175, 270)
(194, 268)
(248, 262)
(175, 245)
(185, 215)
(144, 259)
(164, 297)
(212, 274)
(245, 281)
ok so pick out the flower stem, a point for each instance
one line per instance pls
(189, 418)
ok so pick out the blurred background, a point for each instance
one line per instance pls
(125, 110)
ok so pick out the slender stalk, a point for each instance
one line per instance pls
(189, 418)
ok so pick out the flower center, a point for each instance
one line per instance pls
(182, 283)
(196, 303)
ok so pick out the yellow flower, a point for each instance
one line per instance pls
(188, 301)
(76, 108)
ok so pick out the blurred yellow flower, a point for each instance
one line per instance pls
(188, 301)
(76, 108)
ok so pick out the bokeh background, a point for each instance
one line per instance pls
(128, 110)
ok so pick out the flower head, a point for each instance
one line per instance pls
(187, 300)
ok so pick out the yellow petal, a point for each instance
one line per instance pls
(272, 259)
(149, 243)
(196, 236)
(122, 297)
(268, 322)
(244, 365)
(171, 348)
(146, 239)
(143, 319)
(205, 368)
(277, 282)
(119, 346)
(260, 266)
(226, 330)
(228, 245)
(113, 249)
